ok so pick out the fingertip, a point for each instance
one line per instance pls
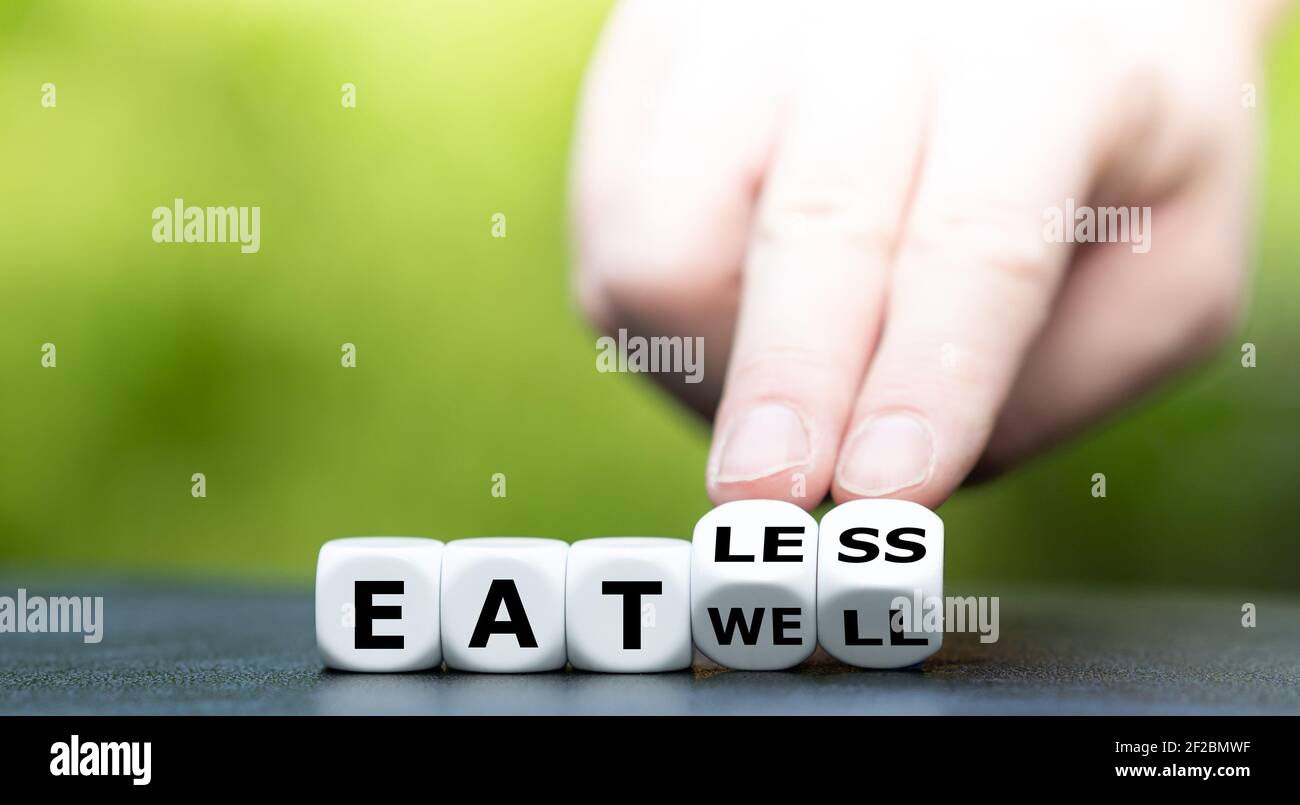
(792, 487)
(887, 453)
(765, 451)
(930, 495)
(893, 455)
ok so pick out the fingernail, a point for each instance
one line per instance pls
(763, 441)
(888, 453)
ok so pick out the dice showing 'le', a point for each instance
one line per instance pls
(754, 585)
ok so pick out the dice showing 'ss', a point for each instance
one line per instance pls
(754, 585)
(880, 583)
(628, 604)
(377, 603)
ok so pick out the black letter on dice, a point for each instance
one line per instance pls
(850, 539)
(364, 635)
(772, 543)
(722, 547)
(517, 625)
(914, 548)
(735, 616)
(632, 592)
(896, 636)
(780, 624)
(851, 636)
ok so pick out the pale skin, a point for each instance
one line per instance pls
(847, 200)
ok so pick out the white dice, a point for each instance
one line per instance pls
(628, 604)
(754, 585)
(880, 583)
(503, 604)
(758, 588)
(377, 603)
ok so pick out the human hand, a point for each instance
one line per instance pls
(848, 201)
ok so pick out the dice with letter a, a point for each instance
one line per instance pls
(503, 604)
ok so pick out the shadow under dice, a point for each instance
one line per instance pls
(627, 604)
(880, 583)
(754, 585)
(377, 603)
(503, 604)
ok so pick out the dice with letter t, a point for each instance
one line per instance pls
(754, 585)
(628, 604)
(880, 583)
(377, 603)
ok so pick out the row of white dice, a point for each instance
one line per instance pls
(754, 590)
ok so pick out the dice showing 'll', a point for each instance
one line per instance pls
(377, 603)
(880, 583)
(754, 585)
(628, 604)
(503, 604)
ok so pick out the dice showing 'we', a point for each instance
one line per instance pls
(759, 586)
(754, 585)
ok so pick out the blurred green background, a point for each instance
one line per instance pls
(471, 360)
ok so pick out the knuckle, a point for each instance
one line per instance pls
(1019, 265)
(826, 215)
(1004, 244)
(790, 370)
(781, 359)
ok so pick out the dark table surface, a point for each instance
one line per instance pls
(219, 650)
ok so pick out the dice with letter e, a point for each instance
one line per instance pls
(628, 604)
(503, 604)
(754, 585)
(377, 603)
(880, 583)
